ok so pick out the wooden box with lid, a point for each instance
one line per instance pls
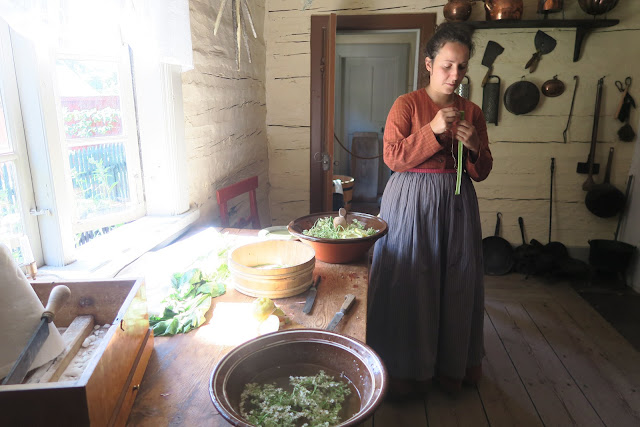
(101, 393)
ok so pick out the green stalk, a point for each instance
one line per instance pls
(459, 169)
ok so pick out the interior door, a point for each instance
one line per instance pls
(323, 36)
(323, 48)
(369, 78)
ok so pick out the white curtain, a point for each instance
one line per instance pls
(159, 28)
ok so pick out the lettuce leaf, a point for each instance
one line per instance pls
(185, 307)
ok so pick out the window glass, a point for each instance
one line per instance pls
(89, 93)
(5, 146)
(11, 226)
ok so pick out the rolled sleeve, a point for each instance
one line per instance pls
(479, 165)
(404, 150)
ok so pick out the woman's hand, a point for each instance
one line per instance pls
(444, 119)
(466, 132)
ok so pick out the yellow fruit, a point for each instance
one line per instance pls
(262, 308)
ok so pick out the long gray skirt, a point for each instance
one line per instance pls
(426, 291)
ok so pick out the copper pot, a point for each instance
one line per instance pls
(597, 7)
(546, 6)
(503, 9)
(552, 88)
(457, 10)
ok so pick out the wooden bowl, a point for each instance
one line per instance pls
(296, 352)
(338, 251)
(248, 273)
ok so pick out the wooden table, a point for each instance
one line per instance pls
(175, 387)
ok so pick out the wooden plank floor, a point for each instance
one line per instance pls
(551, 360)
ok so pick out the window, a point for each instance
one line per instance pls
(99, 137)
(17, 227)
(78, 136)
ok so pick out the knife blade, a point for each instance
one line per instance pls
(311, 297)
(349, 299)
(19, 370)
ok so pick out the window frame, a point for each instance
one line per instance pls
(157, 89)
(16, 135)
(130, 139)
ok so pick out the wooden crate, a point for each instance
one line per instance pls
(104, 393)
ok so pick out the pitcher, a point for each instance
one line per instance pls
(503, 9)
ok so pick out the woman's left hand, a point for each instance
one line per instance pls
(466, 133)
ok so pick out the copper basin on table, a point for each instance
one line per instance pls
(338, 251)
(288, 350)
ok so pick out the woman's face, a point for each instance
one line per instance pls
(448, 67)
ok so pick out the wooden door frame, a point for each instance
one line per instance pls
(323, 66)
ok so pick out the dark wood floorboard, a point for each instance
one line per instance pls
(551, 359)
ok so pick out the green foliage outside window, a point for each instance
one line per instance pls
(91, 123)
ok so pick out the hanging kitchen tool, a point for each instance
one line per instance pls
(626, 102)
(623, 112)
(626, 133)
(590, 167)
(544, 44)
(612, 255)
(575, 89)
(491, 100)
(626, 198)
(497, 253)
(558, 251)
(490, 54)
(521, 97)
(463, 88)
(525, 255)
(552, 88)
(605, 200)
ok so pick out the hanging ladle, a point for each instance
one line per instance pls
(575, 89)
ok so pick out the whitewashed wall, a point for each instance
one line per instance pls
(522, 145)
(225, 112)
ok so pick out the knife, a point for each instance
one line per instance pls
(348, 302)
(19, 370)
(312, 296)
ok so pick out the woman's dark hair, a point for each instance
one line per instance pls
(450, 32)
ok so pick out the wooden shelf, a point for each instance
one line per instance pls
(582, 26)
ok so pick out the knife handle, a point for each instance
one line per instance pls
(57, 298)
(349, 299)
(486, 77)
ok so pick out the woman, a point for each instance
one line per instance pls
(426, 291)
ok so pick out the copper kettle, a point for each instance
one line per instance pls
(546, 6)
(503, 9)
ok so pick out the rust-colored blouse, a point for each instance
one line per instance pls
(410, 143)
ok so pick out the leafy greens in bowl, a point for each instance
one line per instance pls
(325, 229)
(339, 250)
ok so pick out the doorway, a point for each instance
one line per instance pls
(372, 68)
(324, 30)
